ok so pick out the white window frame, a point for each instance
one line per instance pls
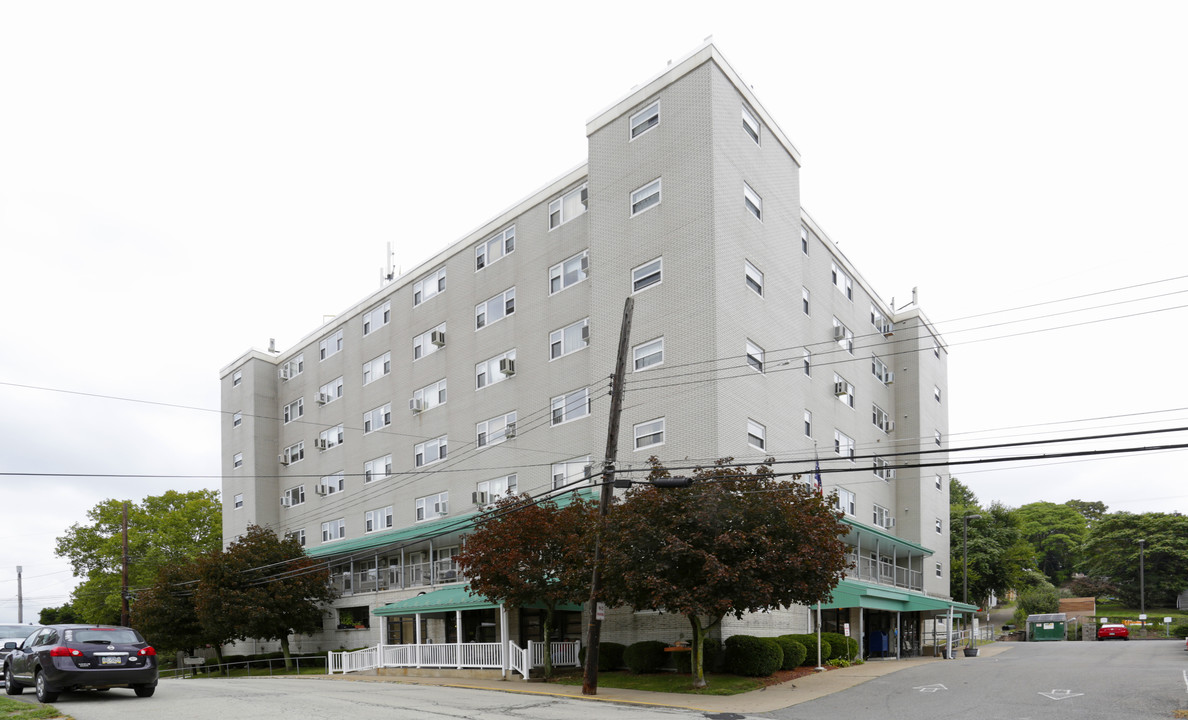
(755, 356)
(294, 410)
(376, 520)
(880, 516)
(295, 495)
(299, 534)
(237, 460)
(805, 303)
(487, 373)
(644, 120)
(756, 435)
(377, 367)
(237, 419)
(940, 571)
(334, 530)
(558, 214)
(423, 344)
(879, 320)
(646, 197)
(504, 303)
(377, 418)
(333, 483)
(842, 281)
(808, 423)
(569, 472)
(846, 501)
(804, 244)
(430, 452)
(940, 527)
(292, 367)
(377, 317)
(848, 397)
(332, 390)
(497, 488)
(432, 395)
(237, 501)
(330, 345)
(880, 418)
(377, 469)
(236, 378)
(751, 124)
(879, 369)
(847, 340)
(936, 392)
(843, 445)
(752, 201)
(432, 506)
(495, 248)
(494, 431)
(295, 453)
(644, 352)
(331, 437)
(883, 469)
(569, 339)
(429, 286)
(753, 277)
(573, 405)
(649, 434)
(939, 483)
(808, 363)
(646, 276)
(938, 438)
(559, 273)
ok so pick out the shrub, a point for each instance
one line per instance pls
(1179, 630)
(646, 656)
(810, 646)
(711, 657)
(610, 656)
(794, 652)
(841, 646)
(750, 656)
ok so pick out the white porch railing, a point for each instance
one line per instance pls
(460, 656)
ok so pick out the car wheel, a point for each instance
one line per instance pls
(145, 690)
(11, 686)
(44, 694)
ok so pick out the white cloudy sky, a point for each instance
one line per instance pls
(182, 181)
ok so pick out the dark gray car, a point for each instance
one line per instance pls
(60, 658)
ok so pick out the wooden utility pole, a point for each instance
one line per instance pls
(124, 586)
(590, 679)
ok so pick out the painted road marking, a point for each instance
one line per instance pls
(1060, 694)
(930, 688)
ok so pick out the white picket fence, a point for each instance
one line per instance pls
(458, 656)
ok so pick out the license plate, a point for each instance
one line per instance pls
(111, 661)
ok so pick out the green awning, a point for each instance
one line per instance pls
(448, 599)
(853, 593)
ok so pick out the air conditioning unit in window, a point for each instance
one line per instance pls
(282, 459)
(510, 432)
(437, 337)
(888, 330)
(839, 333)
(507, 366)
(586, 333)
(286, 501)
(586, 264)
(416, 405)
(283, 373)
(841, 388)
(479, 498)
(321, 444)
(320, 489)
(323, 398)
(889, 426)
(889, 378)
(889, 523)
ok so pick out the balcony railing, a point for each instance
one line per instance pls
(884, 572)
(395, 577)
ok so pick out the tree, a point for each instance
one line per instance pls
(262, 587)
(166, 612)
(1112, 551)
(61, 615)
(735, 541)
(1056, 532)
(1091, 511)
(524, 553)
(997, 552)
(167, 529)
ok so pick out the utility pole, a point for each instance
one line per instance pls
(20, 599)
(124, 587)
(590, 679)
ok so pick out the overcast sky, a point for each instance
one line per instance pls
(180, 182)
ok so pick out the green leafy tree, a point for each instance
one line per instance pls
(1112, 551)
(524, 553)
(262, 587)
(736, 541)
(997, 551)
(167, 529)
(1093, 512)
(61, 615)
(1056, 533)
(166, 612)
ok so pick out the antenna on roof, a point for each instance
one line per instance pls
(387, 273)
(272, 345)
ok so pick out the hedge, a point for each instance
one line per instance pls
(794, 652)
(647, 656)
(810, 647)
(838, 644)
(752, 656)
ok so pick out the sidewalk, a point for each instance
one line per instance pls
(767, 699)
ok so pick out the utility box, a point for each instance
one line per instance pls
(1046, 626)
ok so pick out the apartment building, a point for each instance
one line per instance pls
(485, 371)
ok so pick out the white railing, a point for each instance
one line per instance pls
(352, 660)
(463, 656)
(884, 572)
(565, 654)
(518, 662)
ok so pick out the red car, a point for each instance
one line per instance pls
(1113, 630)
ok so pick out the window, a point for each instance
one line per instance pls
(845, 501)
(330, 345)
(842, 282)
(883, 470)
(376, 368)
(569, 273)
(237, 460)
(935, 349)
(429, 341)
(333, 530)
(646, 275)
(843, 390)
(432, 506)
(646, 197)
(380, 417)
(649, 434)
(294, 410)
(882, 517)
(843, 444)
(939, 483)
(236, 378)
(844, 336)
(940, 527)
(494, 248)
(495, 309)
(804, 240)
(488, 491)
(754, 277)
(569, 339)
(292, 368)
(330, 437)
(756, 435)
(644, 120)
(808, 424)
(570, 472)
(750, 124)
(938, 438)
(880, 321)
(881, 419)
(378, 468)
(237, 419)
(377, 317)
(808, 363)
(293, 496)
(429, 452)
(804, 296)
(238, 501)
(936, 392)
(649, 354)
(571, 406)
(753, 202)
(293, 453)
(377, 519)
(330, 392)
(428, 286)
(496, 430)
(330, 484)
(429, 396)
(567, 207)
(880, 370)
(754, 356)
(494, 370)
(299, 535)
(939, 570)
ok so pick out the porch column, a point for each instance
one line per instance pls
(898, 630)
(418, 621)
(504, 641)
(949, 636)
(458, 634)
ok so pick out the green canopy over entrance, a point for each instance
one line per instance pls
(853, 593)
(448, 599)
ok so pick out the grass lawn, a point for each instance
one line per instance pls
(16, 710)
(674, 682)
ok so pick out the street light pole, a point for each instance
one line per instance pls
(965, 564)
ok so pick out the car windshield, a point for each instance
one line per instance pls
(106, 636)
